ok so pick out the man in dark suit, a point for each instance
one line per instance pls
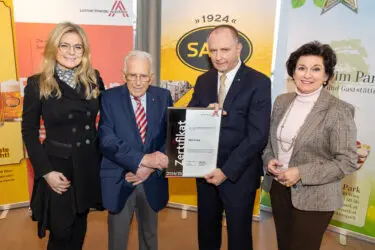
(132, 134)
(244, 94)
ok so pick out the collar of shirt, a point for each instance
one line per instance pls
(143, 101)
(230, 77)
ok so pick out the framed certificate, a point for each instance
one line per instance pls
(192, 141)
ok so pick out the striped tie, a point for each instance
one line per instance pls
(141, 119)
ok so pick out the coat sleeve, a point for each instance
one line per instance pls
(32, 110)
(112, 147)
(100, 82)
(258, 121)
(169, 104)
(343, 150)
(195, 102)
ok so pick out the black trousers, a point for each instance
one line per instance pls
(296, 229)
(67, 228)
(212, 201)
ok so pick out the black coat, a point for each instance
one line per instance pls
(70, 147)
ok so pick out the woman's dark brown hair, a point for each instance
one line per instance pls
(314, 48)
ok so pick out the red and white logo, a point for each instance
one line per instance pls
(118, 8)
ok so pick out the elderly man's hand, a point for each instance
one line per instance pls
(132, 178)
(155, 160)
(140, 176)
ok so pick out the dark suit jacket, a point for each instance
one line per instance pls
(70, 146)
(122, 147)
(244, 130)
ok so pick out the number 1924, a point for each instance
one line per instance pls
(215, 18)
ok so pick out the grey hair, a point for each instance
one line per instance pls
(139, 55)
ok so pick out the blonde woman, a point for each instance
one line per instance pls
(65, 95)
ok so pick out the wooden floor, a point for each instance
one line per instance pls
(18, 232)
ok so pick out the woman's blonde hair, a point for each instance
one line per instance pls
(85, 74)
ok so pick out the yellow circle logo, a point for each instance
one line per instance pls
(192, 48)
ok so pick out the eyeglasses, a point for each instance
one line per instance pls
(66, 48)
(135, 77)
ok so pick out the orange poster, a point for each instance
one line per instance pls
(24, 27)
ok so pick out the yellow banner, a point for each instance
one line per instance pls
(13, 168)
(184, 54)
(8, 67)
(13, 183)
(11, 147)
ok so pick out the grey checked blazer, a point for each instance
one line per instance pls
(324, 151)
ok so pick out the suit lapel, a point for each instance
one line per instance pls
(69, 92)
(212, 87)
(152, 104)
(313, 119)
(234, 89)
(129, 112)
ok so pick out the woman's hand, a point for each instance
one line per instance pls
(57, 181)
(289, 177)
(273, 168)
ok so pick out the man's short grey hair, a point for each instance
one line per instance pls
(139, 55)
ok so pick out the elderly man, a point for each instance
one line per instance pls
(244, 94)
(132, 134)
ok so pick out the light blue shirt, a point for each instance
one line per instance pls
(143, 101)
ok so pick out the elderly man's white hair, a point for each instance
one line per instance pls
(139, 55)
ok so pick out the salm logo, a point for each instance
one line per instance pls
(192, 48)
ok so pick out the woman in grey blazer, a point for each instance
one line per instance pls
(311, 147)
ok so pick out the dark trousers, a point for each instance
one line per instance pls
(67, 228)
(212, 201)
(296, 229)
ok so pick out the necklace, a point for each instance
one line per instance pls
(278, 138)
(283, 147)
